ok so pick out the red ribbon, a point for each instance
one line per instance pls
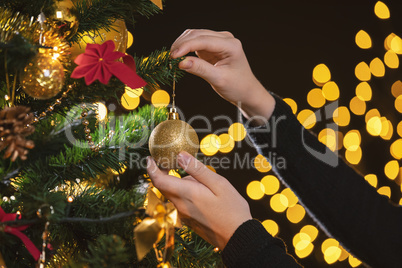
(17, 232)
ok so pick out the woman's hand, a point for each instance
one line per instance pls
(206, 201)
(222, 63)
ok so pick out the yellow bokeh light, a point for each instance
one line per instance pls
(399, 129)
(391, 169)
(134, 92)
(102, 111)
(387, 41)
(396, 44)
(262, 164)
(381, 10)
(341, 116)
(330, 91)
(363, 40)
(371, 179)
(352, 140)
(329, 242)
(307, 118)
(279, 203)
(374, 126)
(354, 262)
(211, 168)
(363, 91)
(174, 173)
(328, 137)
(311, 231)
(354, 157)
(362, 72)
(160, 98)
(210, 144)
(357, 106)
(321, 74)
(130, 39)
(387, 129)
(332, 254)
(292, 104)
(305, 252)
(391, 59)
(372, 113)
(344, 254)
(237, 131)
(315, 98)
(398, 104)
(271, 227)
(227, 143)
(301, 240)
(128, 102)
(271, 184)
(296, 213)
(377, 67)
(385, 190)
(255, 190)
(292, 198)
(396, 89)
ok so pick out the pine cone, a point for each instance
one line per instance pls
(15, 125)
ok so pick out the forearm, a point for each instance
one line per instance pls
(333, 193)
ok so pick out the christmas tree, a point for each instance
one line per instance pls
(72, 140)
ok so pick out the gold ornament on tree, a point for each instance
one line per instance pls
(118, 34)
(64, 20)
(14, 127)
(171, 137)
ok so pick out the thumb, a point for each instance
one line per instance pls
(201, 68)
(198, 170)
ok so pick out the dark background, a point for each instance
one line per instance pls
(284, 41)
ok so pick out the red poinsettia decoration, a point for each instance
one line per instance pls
(99, 62)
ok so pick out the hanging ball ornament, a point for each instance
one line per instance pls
(171, 137)
(43, 77)
(64, 20)
(118, 34)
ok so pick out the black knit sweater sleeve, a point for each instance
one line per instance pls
(252, 246)
(334, 194)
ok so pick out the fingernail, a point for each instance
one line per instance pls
(184, 159)
(186, 64)
(173, 53)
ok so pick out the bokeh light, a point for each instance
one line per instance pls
(357, 106)
(391, 59)
(262, 164)
(301, 240)
(385, 190)
(363, 91)
(321, 74)
(129, 103)
(292, 198)
(330, 91)
(174, 173)
(354, 157)
(352, 140)
(271, 184)
(387, 129)
(362, 72)
(398, 104)
(237, 131)
(102, 111)
(374, 126)
(292, 104)
(377, 67)
(396, 44)
(279, 203)
(388, 40)
(391, 169)
(307, 118)
(311, 231)
(341, 116)
(371, 179)
(305, 252)
(399, 129)
(381, 10)
(130, 39)
(255, 190)
(295, 214)
(227, 143)
(396, 88)
(372, 113)
(271, 227)
(328, 137)
(134, 92)
(354, 262)
(315, 98)
(160, 98)
(363, 40)
(210, 144)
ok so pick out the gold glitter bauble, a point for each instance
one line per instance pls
(168, 139)
(43, 77)
(118, 34)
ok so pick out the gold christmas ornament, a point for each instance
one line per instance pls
(118, 34)
(171, 137)
(43, 77)
(64, 20)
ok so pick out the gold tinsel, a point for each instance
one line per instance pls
(12, 23)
